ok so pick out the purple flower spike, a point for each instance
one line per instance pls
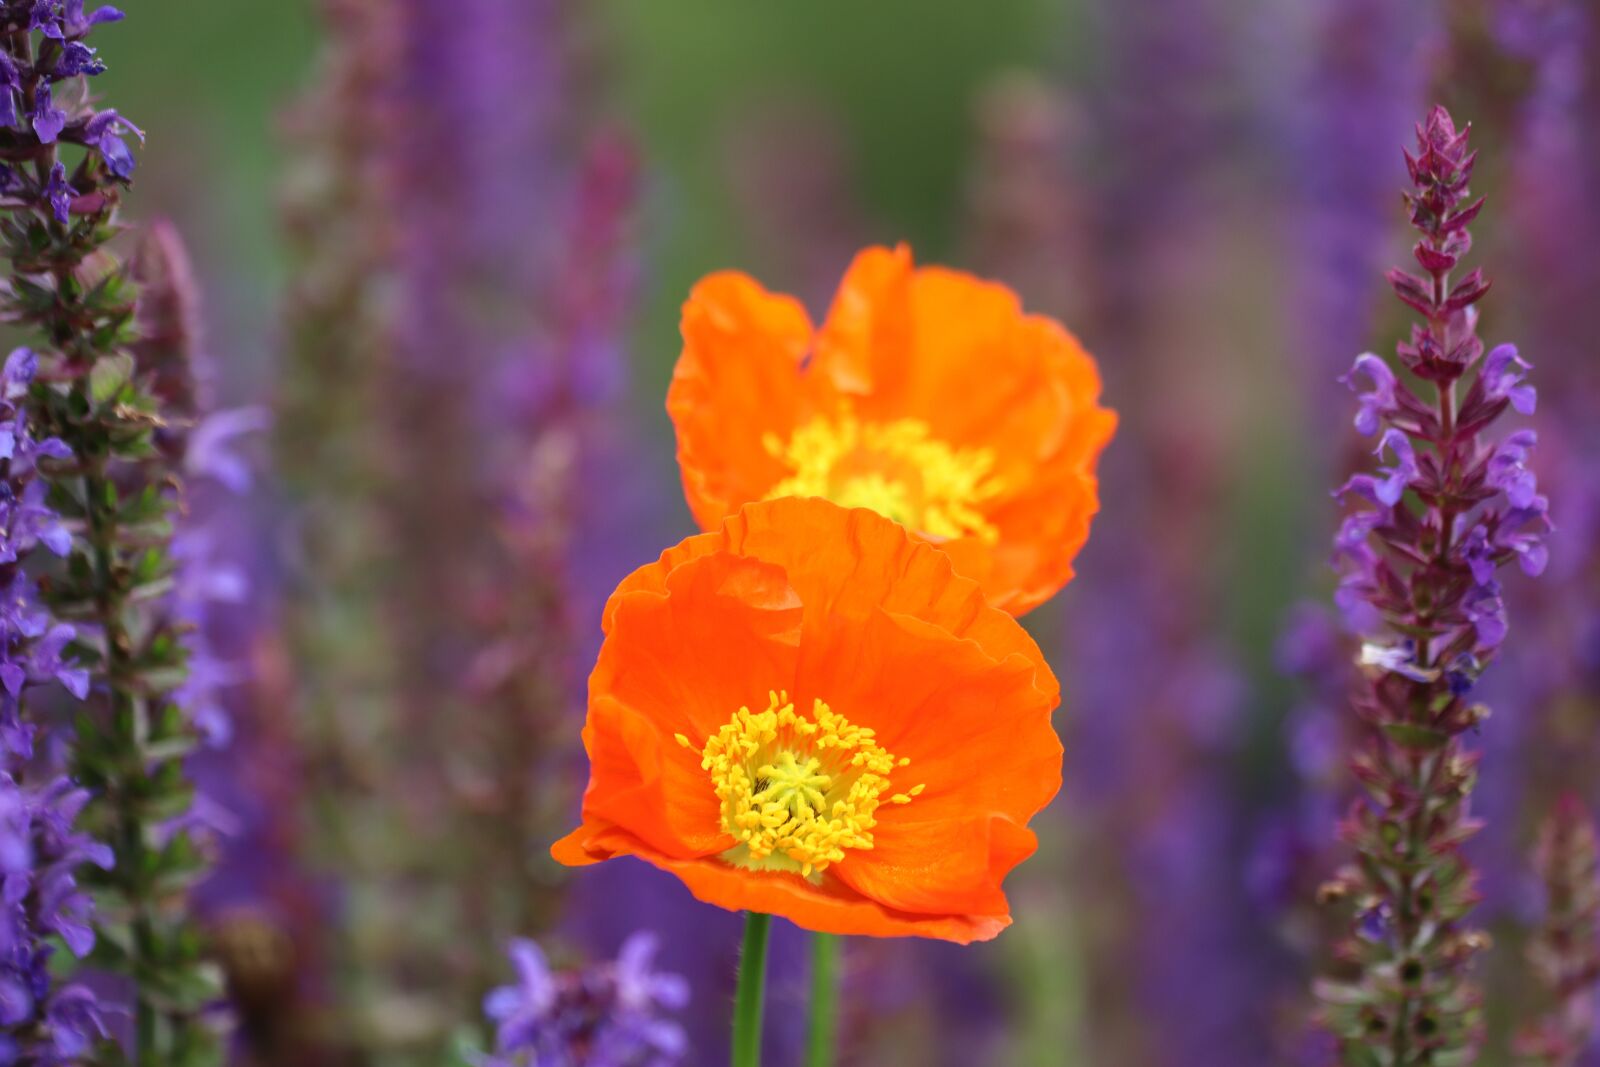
(1422, 585)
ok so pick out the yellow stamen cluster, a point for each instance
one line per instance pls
(898, 469)
(797, 792)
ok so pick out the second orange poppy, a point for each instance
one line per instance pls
(927, 396)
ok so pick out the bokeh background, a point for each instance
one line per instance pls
(446, 242)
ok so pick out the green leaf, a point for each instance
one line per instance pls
(1414, 737)
(109, 375)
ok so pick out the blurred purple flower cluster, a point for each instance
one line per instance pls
(602, 1015)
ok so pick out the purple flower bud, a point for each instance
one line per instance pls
(58, 192)
(10, 85)
(1462, 673)
(21, 365)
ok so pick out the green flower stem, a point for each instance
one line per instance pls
(747, 1004)
(823, 1027)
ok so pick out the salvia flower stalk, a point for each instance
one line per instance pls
(1565, 952)
(1419, 555)
(107, 401)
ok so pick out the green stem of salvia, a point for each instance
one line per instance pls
(747, 1004)
(822, 1029)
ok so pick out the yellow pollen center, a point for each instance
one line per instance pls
(898, 469)
(797, 792)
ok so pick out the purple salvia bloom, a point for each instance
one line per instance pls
(606, 1015)
(48, 120)
(212, 451)
(65, 20)
(1392, 486)
(520, 1012)
(1380, 401)
(75, 1023)
(20, 367)
(74, 23)
(1508, 470)
(1503, 371)
(78, 60)
(104, 133)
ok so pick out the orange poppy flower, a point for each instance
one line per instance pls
(808, 713)
(927, 396)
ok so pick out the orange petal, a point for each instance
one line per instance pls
(865, 345)
(736, 381)
(668, 650)
(649, 784)
(940, 868)
(832, 907)
(977, 735)
(851, 561)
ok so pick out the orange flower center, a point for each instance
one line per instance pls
(797, 792)
(898, 469)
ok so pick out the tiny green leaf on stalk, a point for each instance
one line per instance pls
(109, 375)
(1414, 737)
